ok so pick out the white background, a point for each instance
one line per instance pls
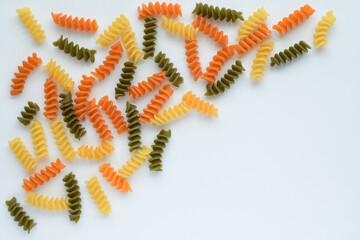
(280, 162)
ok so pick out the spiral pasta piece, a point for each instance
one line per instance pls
(171, 72)
(136, 161)
(74, 49)
(98, 122)
(22, 154)
(179, 28)
(39, 140)
(44, 176)
(109, 64)
(200, 105)
(225, 82)
(249, 25)
(113, 31)
(155, 9)
(146, 86)
(289, 54)
(73, 194)
(114, 178)
(63, 20)
(156, 103)
(114, 114)
(27, 67)
(171, 113)
(99, 152)
(209, 29)
(60, 75)
(20, 215)
(98, 195)
(127, 76)
(192, 58)
(132, 115)
(149, 37)
(259, 63)
(62, 140)
(322, 29)
(46, 202)
(31, 24)
(158, 148)
(216, 13)
(130, 45)
(298, 16)
(82, 95)
(51, 101)
(30, 112)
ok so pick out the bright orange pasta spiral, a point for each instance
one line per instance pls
(170, 10)
(146, 86)
(209, 29)
(24, 70)
(156, 103)
(51, 98)
(98, 121)
(114, 114)
(82, 95)
(192, 58)
(200, 105)
(114, 178)
(63, 20)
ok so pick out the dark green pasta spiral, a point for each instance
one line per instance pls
(158, 148)
(20, 215)
(216, 13)
(149, 37)
(171, 72)
(221, 85)
(73, 194)
(127, 76)
(134, 125)
(290, 53)
(28, 115)
(74, 50)
(71, 120)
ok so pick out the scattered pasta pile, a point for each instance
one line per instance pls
(67, 105)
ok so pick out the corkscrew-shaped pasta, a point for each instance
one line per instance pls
(39, 140)
(51, 101)
(44, 176)
(71, 120)
(171, 113)
(200, 105)
(179, 28)
(98, 122)
(249, 25)
(46, 202)
(149, 37)
(156, 103)
(98, 195)
(259, 63)
(171, 72)
(31, 24)
(146, 86)
(73, 194)
(216, 13)
(209, 29)
(114, 178)
(24, 71)
(192, 58)
(109, 64)
(20, 215)
(82, 95)
(113, 31)
(127, 76)
(225, 82)
(99, 152)
(22, 154)
(30, 112)
(158, 148)
(74, 49)
(60, 75)
(289, 54)
(137, 159)
(62, 140)
(130, 45)
(288, 23)
(322, 29)
(155, 9)
(132, 115)
(114, 114)
(63, 20)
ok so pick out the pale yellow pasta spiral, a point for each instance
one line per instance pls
(39, 140)
(130, 45)
(259, 63)
(98, 195)
(322, 29)
(21, 153)
(200, 105)
(62, 140)
(31, 24)
(137, 159)
(60, 75)
(113, 31)
(46, 202)
(96, 153)
(171, 113)
(179, 28)
(252, 23)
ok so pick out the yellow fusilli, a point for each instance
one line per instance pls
(113, 31)
(98, 195)
(179, 28)
(137, 159)
(259, 63)
(39, 140)
(62, 140)
(322, 29)
(31, 24)
(60, 75)
(252, 23)
(21, 153)
(130, 45)
(96, 153)
(171, 113)
(200, 105)
(46, 202)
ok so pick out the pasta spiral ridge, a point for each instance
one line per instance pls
(225, 82)
(51, 101)
(149, 37)
(171, 113)
(60, 75)
(98, 122)
(113, 31)
(154, 9)
(98, 195)
(71, 120)
(158, 148)
(322, 29)
(209, 29)
(82, 95)
(130, 45)
(22, 154)
(27, 67)
(136, 161)
(101, 151)
(39, 140)
(132, 115)
(63, 20)
(20, 215)
(31, 24)
(199, 104)
(249, 25)
(30, 112)
(74, 49)
(179, 28)
(259, 63)
(192, 58)
(156, 103)
(73, 194)
(146, 86)
(289, 54)
(216, 13)
(171, 72)
(114, 178)
(46, 202)
(62, 140)
(127, 76)
(114, 114)
(298, 16)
